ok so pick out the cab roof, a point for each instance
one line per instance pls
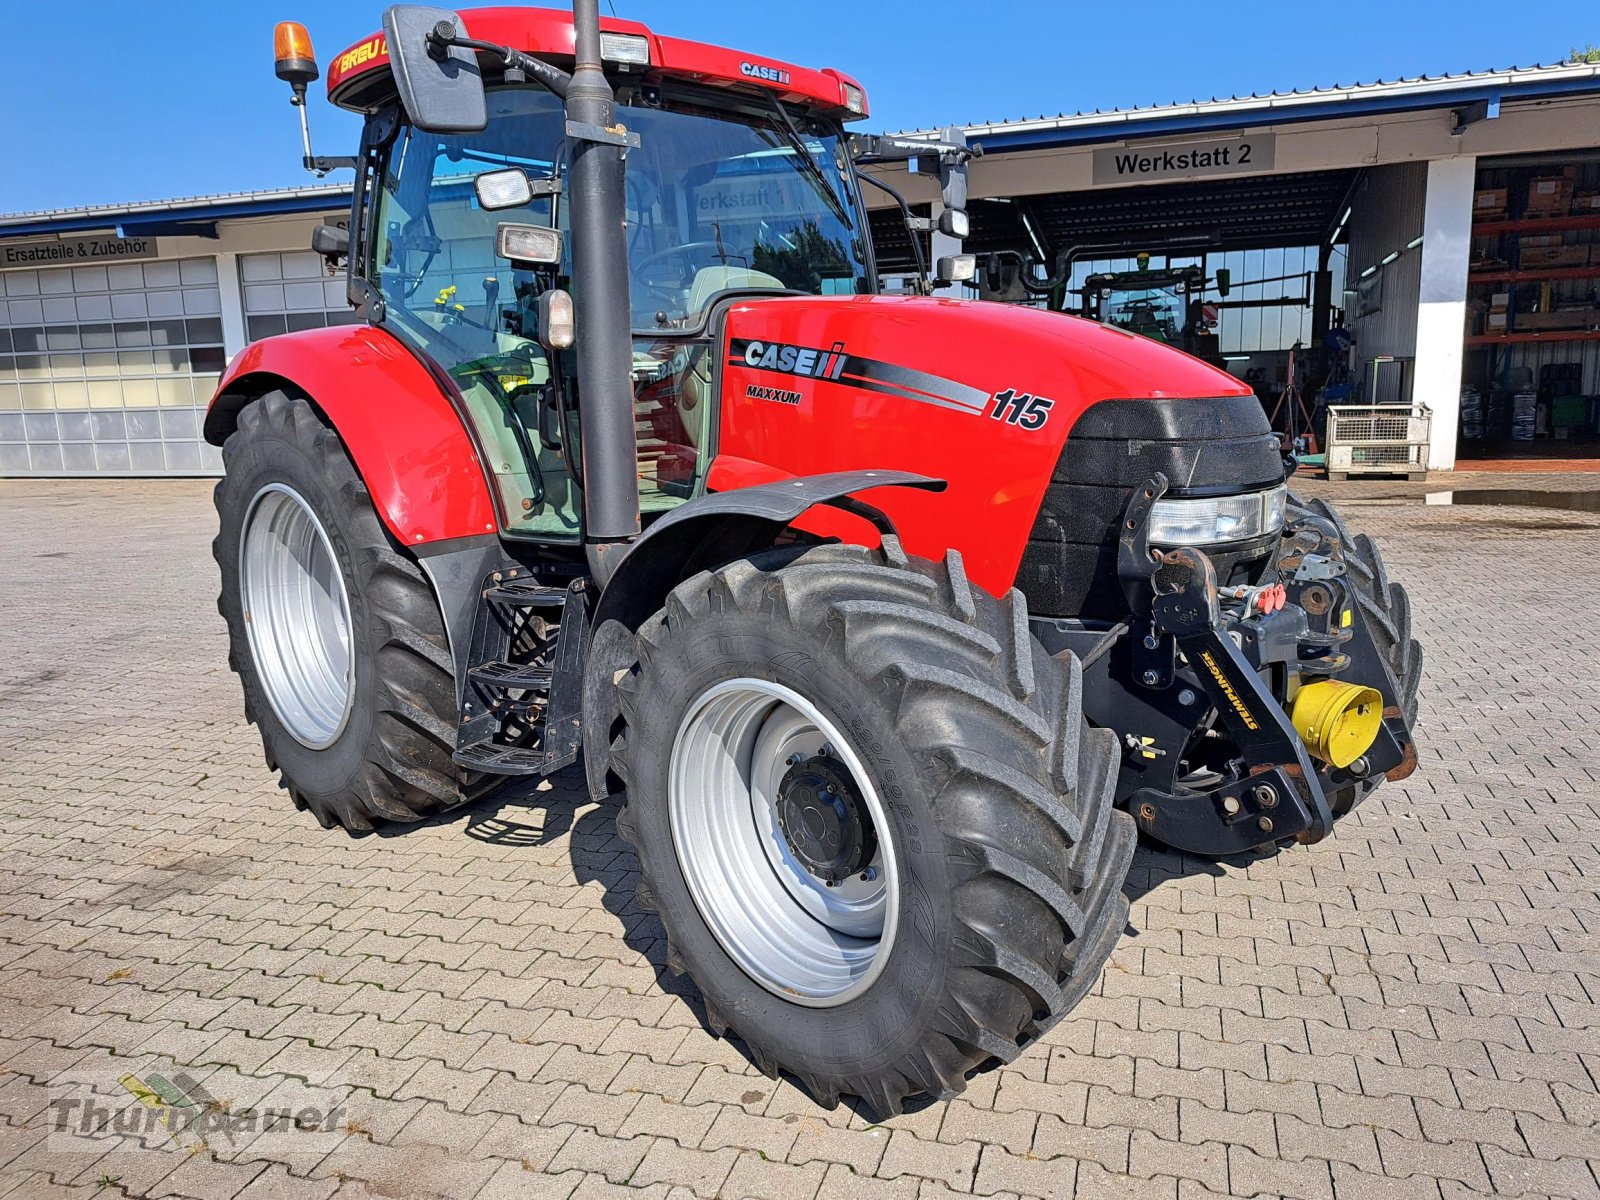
(360, 78)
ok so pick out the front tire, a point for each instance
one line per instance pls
(1386, 608)
(939, 732)
(334, 633)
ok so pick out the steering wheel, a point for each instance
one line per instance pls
(682, 249)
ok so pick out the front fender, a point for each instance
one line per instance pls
(703, 533)
(408, 443)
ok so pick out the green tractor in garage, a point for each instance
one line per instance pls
(894, 619)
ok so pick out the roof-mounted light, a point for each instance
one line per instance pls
(855, 100)
(296, 62)
(625, 49)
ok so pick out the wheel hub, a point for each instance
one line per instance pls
(747, 798)
(297, 616)
(821, 818)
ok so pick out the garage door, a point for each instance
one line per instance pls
(105, 370)
(288, 291)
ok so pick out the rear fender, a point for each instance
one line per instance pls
(705, 532)
(408, 443)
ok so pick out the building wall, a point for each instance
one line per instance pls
(1523, 127)
(107, 370)
(1386, 217)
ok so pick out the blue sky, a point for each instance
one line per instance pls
(105, 101)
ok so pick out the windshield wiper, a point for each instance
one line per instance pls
(819, 181)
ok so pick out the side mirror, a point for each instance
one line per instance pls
(528, 246)
(331, 241)
(954, 222)
(439, 83)
(509, 188)
(1224, 280)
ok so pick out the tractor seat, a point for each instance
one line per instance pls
(708, 281)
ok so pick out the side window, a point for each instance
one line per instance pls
(444, 290)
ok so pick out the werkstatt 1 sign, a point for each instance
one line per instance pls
(1142, 162)
(75, 251)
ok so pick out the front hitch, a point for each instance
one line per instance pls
(1298, 626)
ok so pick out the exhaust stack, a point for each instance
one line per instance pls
(600, 292)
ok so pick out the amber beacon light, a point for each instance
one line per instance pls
(296, 64)
(291, 50)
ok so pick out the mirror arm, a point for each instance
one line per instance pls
(911, 221)
(553, 78)
(319, 165)
(881, 147)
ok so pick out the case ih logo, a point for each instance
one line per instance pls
(769, 74)
(792, 360)
(837, 365)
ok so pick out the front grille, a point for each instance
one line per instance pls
(1204, 447)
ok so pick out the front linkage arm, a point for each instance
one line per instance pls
(1303, 626)
(1280, 797)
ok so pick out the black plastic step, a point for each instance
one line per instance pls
(525, 677)
(481, 756)
(527, 595)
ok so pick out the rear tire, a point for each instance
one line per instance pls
(388, 758)
(996, 799)
(1387, 609)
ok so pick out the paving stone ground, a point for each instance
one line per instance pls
(1407, 1009)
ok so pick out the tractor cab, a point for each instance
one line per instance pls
(1165, 305)
(738, 183)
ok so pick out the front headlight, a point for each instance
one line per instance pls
(1217, 518)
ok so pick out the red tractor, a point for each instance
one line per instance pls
(895, 619)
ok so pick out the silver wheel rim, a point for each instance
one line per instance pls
(799, 938)
(297, 615)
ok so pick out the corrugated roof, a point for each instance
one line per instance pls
(1420, 91)
(1412, 88)
(112, 212)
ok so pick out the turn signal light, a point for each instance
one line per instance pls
(291, 50)
(1338, 721)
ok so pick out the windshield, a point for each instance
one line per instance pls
(718, 202)
(715, 201)
(1154, 312)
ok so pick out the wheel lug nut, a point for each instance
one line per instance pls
(869, 874)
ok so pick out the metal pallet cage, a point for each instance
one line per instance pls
(1378, 439)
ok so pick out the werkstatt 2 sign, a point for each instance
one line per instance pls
(1142, 162)
(75, 251)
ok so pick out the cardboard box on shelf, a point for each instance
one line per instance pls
(1489, 202)
(1500, 300)
(1584, 203)
(1549, 196)
(1555, 256)
(1561, 319)
(1496, 321)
